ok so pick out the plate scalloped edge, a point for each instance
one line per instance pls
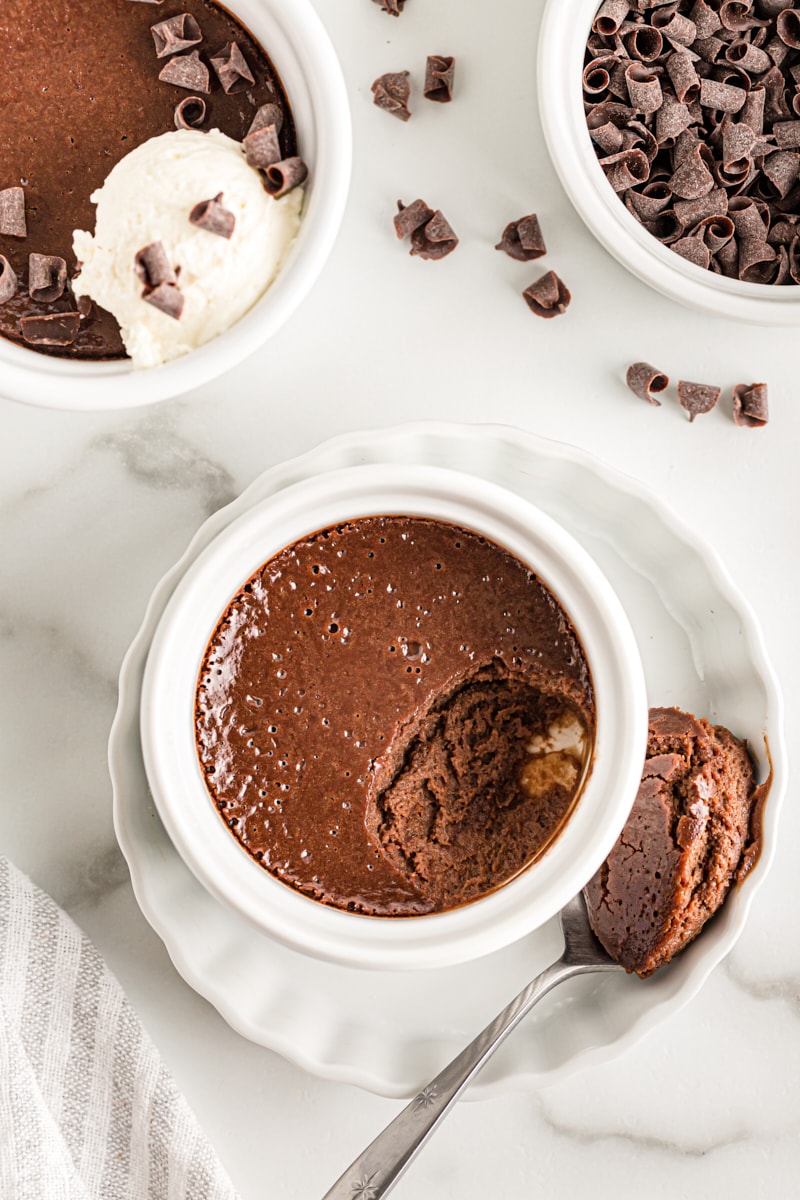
(473, 448)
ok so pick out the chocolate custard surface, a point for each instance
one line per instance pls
(80, 90)
(364, 712)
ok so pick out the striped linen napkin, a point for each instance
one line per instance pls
(87, 1108)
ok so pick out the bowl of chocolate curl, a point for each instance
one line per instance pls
(674, 126)
(177, 199)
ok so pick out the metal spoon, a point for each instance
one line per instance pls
(375, 1172)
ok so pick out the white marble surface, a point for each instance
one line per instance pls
(94, 508)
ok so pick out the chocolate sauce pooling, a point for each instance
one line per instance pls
(367, 709)
(80, 90)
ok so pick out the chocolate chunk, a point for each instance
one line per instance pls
(8, 280)
(392, 7)
(433, 240)
(176, 33)
(439, 72)
(190, 113)
(262, 148)
(47, 278)
(187, 71)
(644, 380)
(282, 177)
(167, 298)
(548, 296)
(391, 92)
(231, 67)
(410, 217)
(697, 398)
(87, 310)
(211, 216)
(523, 239)
(153, 267)
(12, 213)
(750, 406)
(268, 114)
(55, 329)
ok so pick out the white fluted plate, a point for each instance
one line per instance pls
(391, 1031)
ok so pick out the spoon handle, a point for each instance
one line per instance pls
(375, 1172)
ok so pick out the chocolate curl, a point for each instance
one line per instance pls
(746, 216)
(262, 148)
(604, 134)
(47, 278)
(650, 202)
(747, 56)
(684, 77)
(12, 213)
(692, 178)
(691, 212)
(638, 137)
(547, 296)
(410, 217)
(187, 71)
(697, 398)
(750, 405)
(671, 120)
(666, 228)
(715, 232)
(8, 280)
(523, 239)
(787, 134)
(434, 240)
(167, 298)
(176, 33)
(211, 216)
(153, 267)
(722, 96)
(610, 16)
(736, 15)
(644, 88)
(439, 73)
(190, 113)
(392, 7)
(771, 8)
(626, 169)
(782, 170)
(645, 380)
(231, 67)
(694, 250)
(597, 75)
(737, 144)
(391, 92)
(267, 114)
(709, 49)
(757, 261)
(282, 177)
(752, 112)
(727, 260)
(644, 43)
(787, 27)
(706, 19)
(674, 26)
(55, 329)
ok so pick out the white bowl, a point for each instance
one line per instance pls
(562, 44)
(220, 863)
(298, 46)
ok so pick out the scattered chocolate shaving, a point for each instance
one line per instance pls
(167, 298)
(548, 296)
(433, 240)
(87, 310)
(523, 239)
(392, 7)
(391, 92)
(282, 177)
(12, 213)
(54, 329)
(262, 147)
(439, 72)
(190, 113)
(153, 267)
(175, 34)
(8, 280)
(750, 406)
(187, 71)
(268, 114)
(231, 67)
(645, 380)
(47, 277)
(697, 398)
(693, 109)
(211, 216)
(410, 217)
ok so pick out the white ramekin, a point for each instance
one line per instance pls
(299, 48)
(167, 718)
(562, 44)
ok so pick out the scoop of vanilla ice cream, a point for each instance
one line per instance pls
(148, 197)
